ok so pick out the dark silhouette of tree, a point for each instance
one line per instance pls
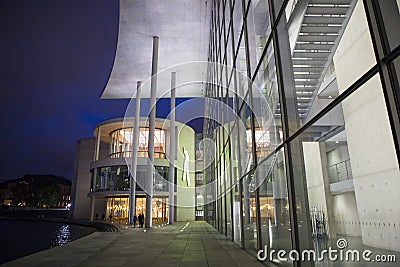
(49, 195)
(38, 191)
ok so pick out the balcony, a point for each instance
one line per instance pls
(340, 172)
(141, 154)
(340, 177)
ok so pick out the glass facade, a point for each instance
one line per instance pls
(116, 178)
(121, 143)
(117, 208)
(310, 156)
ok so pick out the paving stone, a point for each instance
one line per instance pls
(198, 245)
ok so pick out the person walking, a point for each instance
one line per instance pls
(134, 219)
(141, 220)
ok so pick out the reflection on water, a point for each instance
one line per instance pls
(22, 238)
(62, 236)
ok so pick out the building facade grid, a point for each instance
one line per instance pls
(261, 164)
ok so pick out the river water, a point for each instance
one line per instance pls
(22, 238)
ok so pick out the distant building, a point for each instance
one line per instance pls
(6, 191)
(41, 191)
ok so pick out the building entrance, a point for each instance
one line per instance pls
(117, 208)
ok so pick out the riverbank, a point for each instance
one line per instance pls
(20, 238)
(180, 244)
(98, 225)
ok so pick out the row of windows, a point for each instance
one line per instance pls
(121, 143)
(117, 178)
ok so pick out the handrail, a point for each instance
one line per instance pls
(141, 154)
(340, 172)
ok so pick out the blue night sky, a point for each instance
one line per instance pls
(56, 57)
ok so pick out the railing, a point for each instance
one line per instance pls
(141, 154)
(340, 172)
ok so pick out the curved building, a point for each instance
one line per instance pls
(103, 164)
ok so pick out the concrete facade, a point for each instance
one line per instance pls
(373, 159)
(80, 203)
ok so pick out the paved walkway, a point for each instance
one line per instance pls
(181, 244)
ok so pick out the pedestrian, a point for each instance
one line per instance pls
(110, 217)
(134, 219)
(141, 220)
(97, 216)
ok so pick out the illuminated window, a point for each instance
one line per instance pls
(121, 143)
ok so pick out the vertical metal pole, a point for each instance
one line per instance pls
(301, 230)
(135, 142)
(92, 190)
(92, 207)
(172, 147)
(96, 156)
(241, 143)
(152, 119)
(93, 181)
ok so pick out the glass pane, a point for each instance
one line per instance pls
(396, 64)
(236, 214)
(352, 176)
(251, 40)
(259, 27)
(249, 216)
(391, 19)
(241, 59)
(278, 5)
(323, 40)
(266, 107)
(274, 207)
(237, 20)
(161, 179)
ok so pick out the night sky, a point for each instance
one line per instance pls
(56, 57)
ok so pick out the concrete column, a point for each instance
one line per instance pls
(172, 146)
(92, 190)
(152, 118)
(96, 156)
(92, 208)
(135, 142)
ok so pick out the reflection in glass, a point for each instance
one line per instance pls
(274, 206)
(346, 164)
(116, 178)
(325, 40)
(391, 19)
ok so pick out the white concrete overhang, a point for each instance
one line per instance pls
(183, 28)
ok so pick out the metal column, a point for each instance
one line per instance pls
(135, 141)
(98, 142)
(172, 147)
(152, 118)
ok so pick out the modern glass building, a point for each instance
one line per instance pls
(301, 115)
(307, 135)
